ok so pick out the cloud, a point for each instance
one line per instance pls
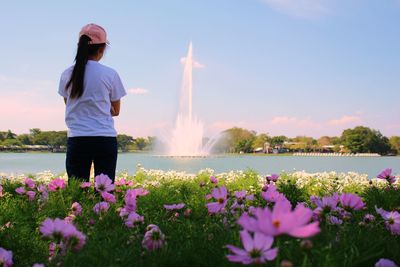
(138, 91)
(300, 8)
(196, 64)
(345, 120)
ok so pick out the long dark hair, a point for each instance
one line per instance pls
(85, 49)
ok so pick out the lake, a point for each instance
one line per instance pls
(24, 163)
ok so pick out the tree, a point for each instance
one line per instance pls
(395, 144)
(364, 140)
(278, 140)
(140, 143)
(260, 140)
(124, 141)
(11, 142)
(10, 135)
(235, 140)
(25, 139)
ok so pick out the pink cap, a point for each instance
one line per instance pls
(95, 32)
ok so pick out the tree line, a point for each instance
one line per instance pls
(57, 141)
(356, 140)
(360, 139)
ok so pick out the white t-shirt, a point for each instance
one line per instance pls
(90, 114)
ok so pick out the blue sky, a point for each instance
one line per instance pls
(293, 67)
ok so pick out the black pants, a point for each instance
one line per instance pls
(83, 150)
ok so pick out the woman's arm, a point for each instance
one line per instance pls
(115, 107)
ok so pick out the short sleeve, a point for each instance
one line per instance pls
(117, 89)
(61, 87)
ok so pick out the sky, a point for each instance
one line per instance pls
(282, 67)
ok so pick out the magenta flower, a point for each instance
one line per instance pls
(101, 207)
(271, 195)
(386, 174)
(44, 195)
(76, 208)
(20, 190)
(334, 220)
(56, 184)
(122, 182)
(272, 178)
(175, 206)
(392, 220)
(281, 220)
(70, 218)
(108, 197)
(29, 183)
(369, 218)
(153, 238)
(213, 179)
(256, 251)
(38, 265)
(385, 263)
(86, 185)
(133, 219)
(240, 198)
(351, 201)
(220, 194)
(31, 195)
(6, 257)
(63, 232)
(103, 183)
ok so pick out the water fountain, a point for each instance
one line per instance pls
(186, 139)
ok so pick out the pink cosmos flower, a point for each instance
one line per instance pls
(386, 174)
(44, 195)
(272, 178)
(1, 191)
(392, 220)
(70, 218)
(256, 250)
(122, 182)
(85, 185)
(272, 195)
(76, 208)
(133, 219)
(240, 198)
(220, 194)
(101, 207)
(174, 206)
(385, 263)
(103, 183)
(38, 265)
(334, 220)
(6, 257)
(281, 220)
(56, 184)
(108, 197)
(369, 218)
(351, 201)
(153, 238)
(20, 190)
(64, 233)
(213, 179)
(29, 183)
(31, 195)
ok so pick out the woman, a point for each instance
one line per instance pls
(92, 93)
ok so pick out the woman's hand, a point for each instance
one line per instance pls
(115, 107)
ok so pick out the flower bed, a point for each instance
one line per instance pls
(156, 218)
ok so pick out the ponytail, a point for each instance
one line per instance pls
(85, 49)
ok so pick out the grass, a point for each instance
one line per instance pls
(196, 240)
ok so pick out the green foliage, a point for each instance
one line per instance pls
(364, 140)
(124, 141)
(196, 240)
(395, 144)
